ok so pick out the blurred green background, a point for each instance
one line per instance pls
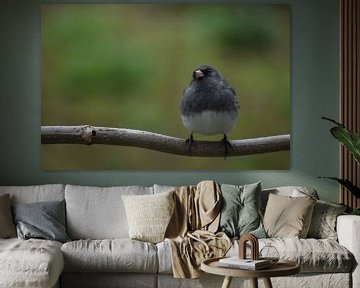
(126, 65)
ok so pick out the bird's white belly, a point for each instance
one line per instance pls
(210, 122)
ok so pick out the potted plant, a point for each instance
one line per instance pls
(351, 141)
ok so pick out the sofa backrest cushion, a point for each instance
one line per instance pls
(36, 193)
(163, 188)
(98, 212)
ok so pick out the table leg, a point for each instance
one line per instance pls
(254, 282)
(227, 282)
(267, 283)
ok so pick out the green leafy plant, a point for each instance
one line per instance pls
(351, 141)
(356, 211)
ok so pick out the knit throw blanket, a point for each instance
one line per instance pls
(191, 232)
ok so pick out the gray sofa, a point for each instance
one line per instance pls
(101, 254)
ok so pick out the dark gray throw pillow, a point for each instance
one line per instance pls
(44, 220)
(240, 213)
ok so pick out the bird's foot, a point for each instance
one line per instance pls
(227, 145)
(189, 142)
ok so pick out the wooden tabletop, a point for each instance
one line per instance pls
(281, 268)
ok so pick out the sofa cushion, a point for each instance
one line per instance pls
(36, 193)
(287, 216)
(164, 257)
(323, 222)
(149, 215)
(30, 263)
(313, 255)
(98, 213)
(7, 227)
(43, 220)
(116, 255)
(240, 210)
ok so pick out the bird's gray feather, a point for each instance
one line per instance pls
(210, 93)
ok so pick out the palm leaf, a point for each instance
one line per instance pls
(348, 138)
(347, 184)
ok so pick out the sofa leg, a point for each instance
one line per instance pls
(254, 282)
(267, 282)
(227, 282)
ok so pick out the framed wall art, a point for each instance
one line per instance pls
(125, 86)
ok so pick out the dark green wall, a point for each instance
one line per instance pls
(314, 94)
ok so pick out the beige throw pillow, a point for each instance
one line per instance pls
(7, 226)
(149, 215)
(288, 217)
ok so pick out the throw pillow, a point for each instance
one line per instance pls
(293, 191)
(149, 215)
(44, 220)
(323, 223)
(287, 217)
(240, 213)
(7, 227)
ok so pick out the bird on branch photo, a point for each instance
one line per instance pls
(122, 91)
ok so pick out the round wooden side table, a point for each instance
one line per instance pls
(281, 268)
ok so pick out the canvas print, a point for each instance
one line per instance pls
(165, 87)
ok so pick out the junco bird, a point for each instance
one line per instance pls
(209, 105)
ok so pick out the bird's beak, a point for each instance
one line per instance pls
(198, 74)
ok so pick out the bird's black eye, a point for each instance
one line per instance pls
(207, 71)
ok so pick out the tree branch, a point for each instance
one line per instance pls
(86, 134)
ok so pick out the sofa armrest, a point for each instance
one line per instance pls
(348, 230)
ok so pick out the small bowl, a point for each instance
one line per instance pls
(270, 253)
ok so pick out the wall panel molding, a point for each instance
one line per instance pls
(349, 90)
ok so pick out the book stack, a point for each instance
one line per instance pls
(248, 264)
